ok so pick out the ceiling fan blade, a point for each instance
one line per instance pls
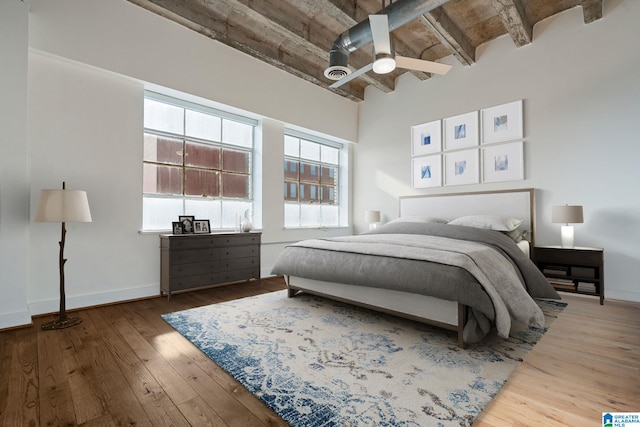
(352, 76)
(380, 32)
(422, 65)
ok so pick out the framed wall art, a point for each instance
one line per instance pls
(502, 123)
(426, 138)
(426, 171)
(503, 162)
(461, 131)
(461, 167)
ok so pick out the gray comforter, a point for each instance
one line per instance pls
(482, 269)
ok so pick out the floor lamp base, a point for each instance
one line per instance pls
(61, 324)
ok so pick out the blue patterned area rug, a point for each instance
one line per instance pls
(317, 362)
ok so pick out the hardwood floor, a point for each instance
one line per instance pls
(125, 366)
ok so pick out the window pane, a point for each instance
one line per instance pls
(234, 185)
(204, 209)
(309, 172)
(291, 146)
(159, 213)
(164, 117)
(237, 133)
(291, 191)
(330, 215)
(236, 161)
(328, 194)
(309, 150)
(328, 175)
(291, 170)
(310, 215)
(201, 182)
(161, 179)
(329, 155)
(202, 155)
(203, 126)
(291, 215)
(309, 193)
(162, 150)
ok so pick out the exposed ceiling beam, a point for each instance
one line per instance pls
(592, 10)
(515, 21)
(450, 35)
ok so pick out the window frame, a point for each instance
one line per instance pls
(185, 139)
(340, 186)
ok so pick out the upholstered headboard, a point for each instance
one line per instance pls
(508, 203)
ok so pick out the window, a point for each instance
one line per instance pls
(196, 161)
(311, 181)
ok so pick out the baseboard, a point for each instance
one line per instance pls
(15, 320)
(83, 301)
(622, 295)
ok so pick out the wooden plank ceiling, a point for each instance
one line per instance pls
(296, 35)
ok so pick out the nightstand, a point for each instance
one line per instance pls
(577, 269)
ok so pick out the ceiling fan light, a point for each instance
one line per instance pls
(384, 63)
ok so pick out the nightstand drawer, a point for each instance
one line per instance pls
(568, 256)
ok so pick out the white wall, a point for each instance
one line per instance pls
(581, 90)
(119, 36)
(14, 187)
(84, 79)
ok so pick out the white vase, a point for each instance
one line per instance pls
(246, 221)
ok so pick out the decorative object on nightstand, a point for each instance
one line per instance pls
(62, 206)
(578, 269)
(567, 215)
(372, 218)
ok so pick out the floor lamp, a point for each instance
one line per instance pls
(62, 206)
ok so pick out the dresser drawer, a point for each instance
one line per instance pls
(244, 274)
(183, 283)
(194, 255)
(239, 263)
(239, 252)
(194, 269)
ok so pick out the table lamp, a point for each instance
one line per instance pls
(372, 218)
(566, 215)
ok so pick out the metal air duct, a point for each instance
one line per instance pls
(399, 13)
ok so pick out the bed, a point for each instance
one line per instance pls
(457, 261)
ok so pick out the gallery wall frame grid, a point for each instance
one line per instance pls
(480, 146)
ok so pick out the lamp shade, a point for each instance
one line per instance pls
(63, 206)
(567, 214)
(371, 216)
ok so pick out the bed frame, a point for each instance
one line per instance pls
(433, 311)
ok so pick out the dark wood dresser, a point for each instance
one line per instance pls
(190, 261)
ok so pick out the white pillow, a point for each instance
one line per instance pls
(416, 218)
(491, 222)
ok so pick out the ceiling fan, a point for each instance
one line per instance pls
(385, 60)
